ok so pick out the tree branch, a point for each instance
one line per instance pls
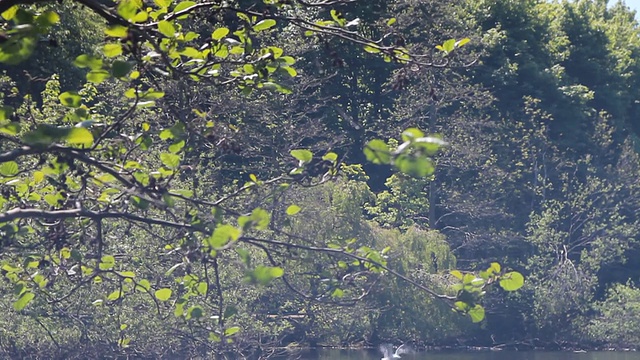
(19, 213)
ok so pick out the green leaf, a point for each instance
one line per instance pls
(23, 301)
(391, 21)
(429, 144)
(141, 16)
(117, 31)
(127, 274)
(230, 311)
(293, 209)
(9, 168)
(219, 33)
(494, 268)
(304, 156)
(415, 166)
(195, 312)
(5, 112)
(162, 3)
(260, 218)
(371, 49)
(183, 5)
(46, 134)
(12, 128)
(377, 152)
(176, 147)
(337, 293)
(106, 262)
(121, 68)
(448, 45)
(98, 76)
(223, 234)
(143, 285)
(330, 156)
(51, 199)
(166, 28)
(457, 274)
(202, 288)
(232, 330)
(80, 136)
(128, 8)
(84, 61)
(264, 25)
(112, 50)
(10, 13)
(477, 313)
(171, 161)
(461, 42)
(70, 99)
(153, 95)
(115, 295)
(411, 134)
(47, 19)
(512, 281)
(163, 294)
(175, 131)
(264, 274)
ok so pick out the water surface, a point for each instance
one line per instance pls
(488, 355)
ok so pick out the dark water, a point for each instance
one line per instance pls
(489, 355)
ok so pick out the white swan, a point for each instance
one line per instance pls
(387, 351)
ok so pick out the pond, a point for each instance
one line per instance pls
(488, 355)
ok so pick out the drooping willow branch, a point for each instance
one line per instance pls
(353, 256)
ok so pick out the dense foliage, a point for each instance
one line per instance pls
(238, 178)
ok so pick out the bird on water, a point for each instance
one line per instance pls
(387, 351)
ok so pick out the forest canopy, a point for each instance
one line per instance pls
(252, 175)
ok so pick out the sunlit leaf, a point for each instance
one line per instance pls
(84, 61)
(264, 25)
(182, 6)
(377, 152)
(5, 112)
(461, 42)
(304, 156)
(511, 281)
(12, 128)
(98, 76)
(117, 31)
(115, 295)
(166, 28)
(219, 33)
(9, 168)
(293, 209)
(171, 161)
(10, 12)
(476, 314)
(112, 50)
(163, 3)
(163, 294)
(79, 135)
(222, 235)
(232, 330)
(23, 301)
(70, 99)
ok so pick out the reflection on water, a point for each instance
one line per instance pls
(489, 355)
